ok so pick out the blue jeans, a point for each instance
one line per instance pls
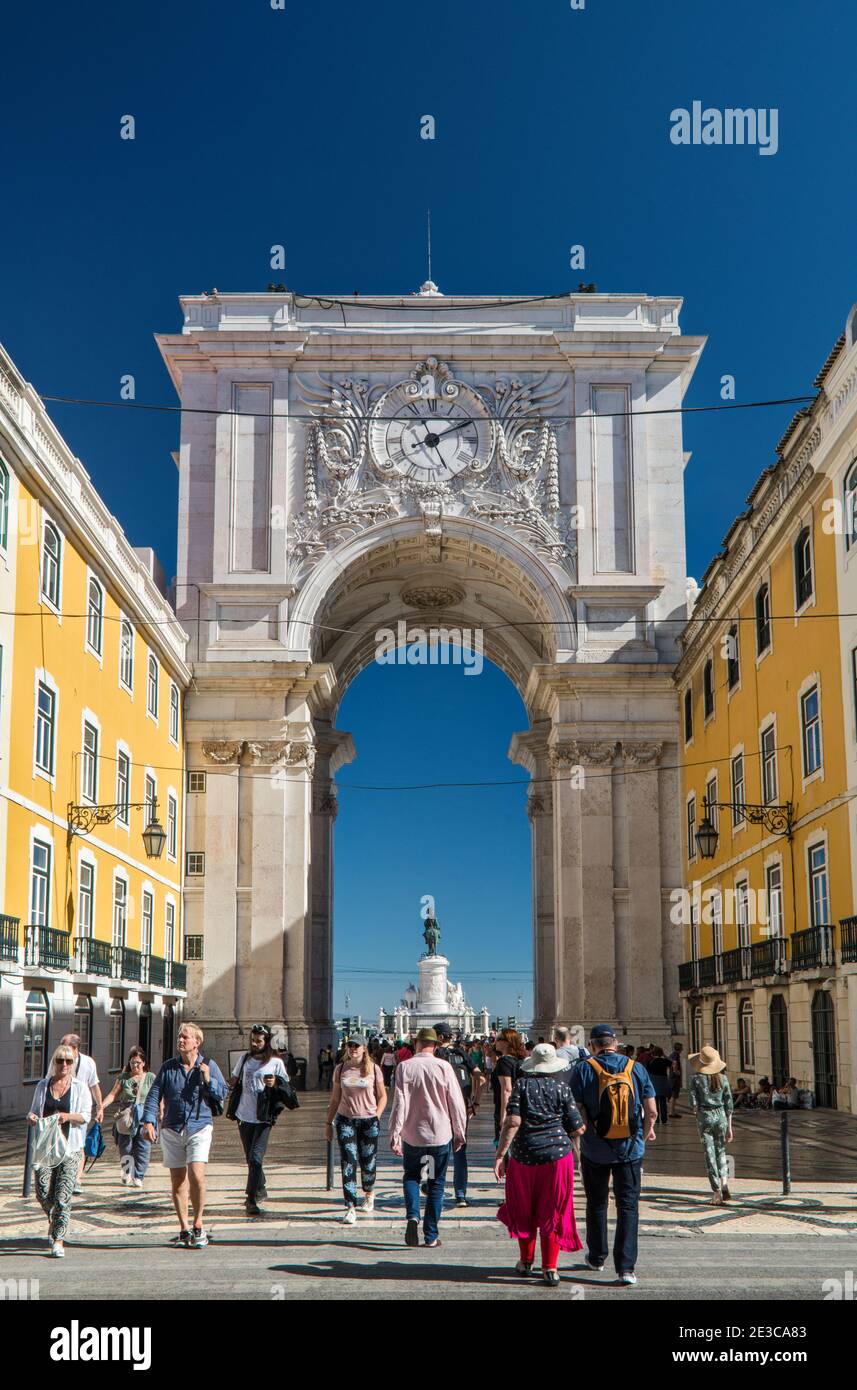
(459, 1171)
(137, 1151)
(626, 1190)
(413, 1155)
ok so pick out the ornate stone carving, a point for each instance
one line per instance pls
(540, 801)
(641, 754)
(598, 754)
(267, 752)
(221, 751)
(298, 753)
(562, 757)
(432, 596)
(327, 803)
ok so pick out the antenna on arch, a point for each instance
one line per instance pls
(429, 287)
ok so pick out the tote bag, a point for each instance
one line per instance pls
(50, 1145)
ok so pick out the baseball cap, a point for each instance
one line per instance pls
(443, 1030)
(359, 1039)
(601, 1030)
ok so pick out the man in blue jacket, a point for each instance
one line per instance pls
(622, 1158)
(186, 1084)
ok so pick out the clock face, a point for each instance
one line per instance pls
(430, 437)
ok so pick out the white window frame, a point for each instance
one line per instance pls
(125, 621)
(44, 600)
(194, 854)
(768, 725)
(732, 690)
(97, 652)
(716, 922)
(88, 718)
(711, 779)
(119, 876)
(39, 836)
(739, 822)
(43, 677)
(743, 928)
(149, 775)
(147, 891)
(760, 655)
(776, 921)
(122, 750)
(116, 1047)
(812, 682)
(170, 944)
(707, 718)
(172, 804)
(690, 802)
(174, 692)
(154, 716)
(747, 1036)
(86, 860)
(812, 876)
(809, 601)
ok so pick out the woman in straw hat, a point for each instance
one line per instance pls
(711, 1102)
(541, 1118)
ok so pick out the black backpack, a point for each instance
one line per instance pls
(457, 1060)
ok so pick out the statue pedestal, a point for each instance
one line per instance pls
(433, 988)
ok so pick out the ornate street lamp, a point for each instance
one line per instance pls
(82, 820)
(777, 820)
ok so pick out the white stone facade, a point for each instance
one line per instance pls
(550, 516)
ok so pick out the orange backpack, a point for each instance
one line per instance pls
(618, 1112)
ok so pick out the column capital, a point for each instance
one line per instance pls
(540, 801)
(266, 752)
(326, 802)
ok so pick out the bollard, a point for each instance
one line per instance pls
(330, 1165)
(28, 1160)
(784, 1152)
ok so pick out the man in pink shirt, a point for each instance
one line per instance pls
(428, 1120)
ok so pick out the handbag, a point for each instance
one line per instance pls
(235, 1093)
(93, 1146)
(127, 1122)
(50, 1146)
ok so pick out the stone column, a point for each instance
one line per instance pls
(583, 865)
(530, 750)
(639, 929)
(333, 750)
(211, 909)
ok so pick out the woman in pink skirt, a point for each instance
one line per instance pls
(541, 1119)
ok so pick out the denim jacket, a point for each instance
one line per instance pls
(184, 1095)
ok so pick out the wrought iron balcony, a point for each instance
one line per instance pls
(157, 971)
(688, 975)
(736, 965)
(813, 948)
(93, 957)
(9, 937)
(847, 939)
(709, 970)
(178, 974)
(769, 957)
(47, 947)
(128, 964)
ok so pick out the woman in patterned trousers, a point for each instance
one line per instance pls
(712, 1103)
(356, 1106)
(70, 1100)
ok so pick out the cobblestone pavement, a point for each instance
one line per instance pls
(823, 1201)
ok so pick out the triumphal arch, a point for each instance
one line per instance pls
(513, 466)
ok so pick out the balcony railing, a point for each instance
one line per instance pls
(127, 964)
(688, 975)
(848, 939)
(709, 970)
(736, 965)
(178, 974)
(813, 948)
(9, 937)
(47, 947)
(769, 957)
(157, 971)
(93, 957)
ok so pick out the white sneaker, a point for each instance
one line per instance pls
(350, 1217)
(629, 1277)
(136, 1182)
(368, 1203)
(58, 1250)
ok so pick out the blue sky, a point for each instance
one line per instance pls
(301, 127)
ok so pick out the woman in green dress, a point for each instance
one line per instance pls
(712, 1103)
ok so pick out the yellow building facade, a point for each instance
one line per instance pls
(770, 973)
(93, 678)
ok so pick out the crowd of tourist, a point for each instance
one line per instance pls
(561, 1111)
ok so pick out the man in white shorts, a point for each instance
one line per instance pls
(86, 1072)
(186, 1084)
